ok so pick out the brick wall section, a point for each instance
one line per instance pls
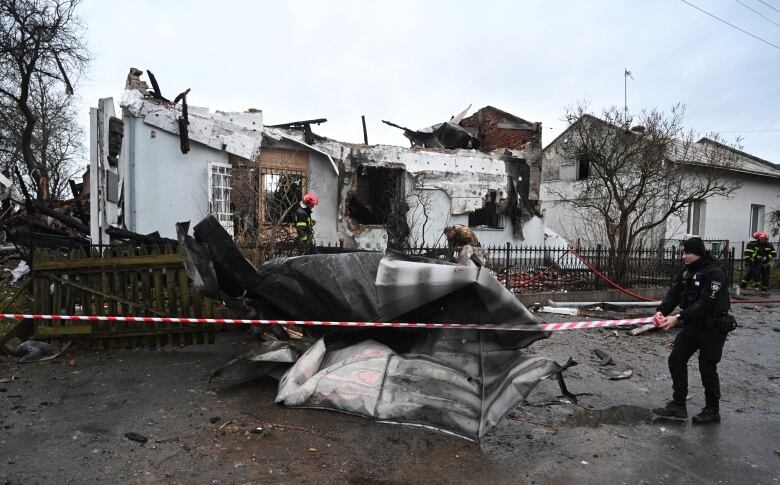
(492, 137)
(485, 123)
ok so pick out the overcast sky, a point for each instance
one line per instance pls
(418, 63)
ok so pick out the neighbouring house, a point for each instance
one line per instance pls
(716, 219)
(178, 163)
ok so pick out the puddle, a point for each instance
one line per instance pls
(622, 414)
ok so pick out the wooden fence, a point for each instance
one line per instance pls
(118, 281)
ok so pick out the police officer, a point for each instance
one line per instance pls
(701, 291)
(759, 255)
(304, 224)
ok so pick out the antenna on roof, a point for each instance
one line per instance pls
(626, 74)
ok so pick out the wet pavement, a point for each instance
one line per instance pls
(62, 423)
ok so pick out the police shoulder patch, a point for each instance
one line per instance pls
(714, 288)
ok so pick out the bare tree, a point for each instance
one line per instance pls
(41, 47)
(396, 201)
(57, 140)
(636, 179)
(264, 203)
(421, 204)
(774, 220)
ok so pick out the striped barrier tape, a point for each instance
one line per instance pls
(541, 327)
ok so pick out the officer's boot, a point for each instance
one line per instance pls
(707, 416)
(743, 284)
(764, 289)
(672, 410)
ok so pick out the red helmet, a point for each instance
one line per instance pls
(311, 200)
(763, 235)
(757, 235)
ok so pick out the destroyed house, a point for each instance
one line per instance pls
(179, 163)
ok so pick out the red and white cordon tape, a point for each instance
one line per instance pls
(542, 327)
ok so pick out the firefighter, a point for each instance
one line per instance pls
(462, 239)
(758, 255)
(701, 291)
(304, 224)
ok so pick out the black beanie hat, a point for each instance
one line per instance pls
(695, 245)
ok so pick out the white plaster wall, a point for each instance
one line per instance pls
(453, 184)
(323, 181)
(559, 218)
(438, 207)
(168, 186)
(724, 218)
(440, 217)
(729, 219)
(533, 232)
(465, 175)
(426, 160)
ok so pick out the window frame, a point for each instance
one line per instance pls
(265, 173)
(583, 169)
(219, 207)
(697, 211)
(757, 216)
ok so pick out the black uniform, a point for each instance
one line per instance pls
(304, 227)
(701, 290)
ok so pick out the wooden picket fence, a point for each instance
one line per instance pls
(118, 281)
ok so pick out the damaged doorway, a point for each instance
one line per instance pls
(378, 198)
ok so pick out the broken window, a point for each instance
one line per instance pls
(219, 194)
(583, 168)
(280, 191)
(378, 197)
(489, 215)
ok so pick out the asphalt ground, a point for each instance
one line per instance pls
(65, 420)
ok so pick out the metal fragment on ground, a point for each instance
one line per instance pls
(139, 438)
(604, 357)
(615, 375)
(644, 328)
(35, 351)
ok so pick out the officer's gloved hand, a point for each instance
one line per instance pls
(659, 319)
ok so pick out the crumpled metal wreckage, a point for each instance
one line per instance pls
(457, 381)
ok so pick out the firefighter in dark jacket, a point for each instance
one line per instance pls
(462, 239)
(701, 291)
(304, 224)
(759, 255)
